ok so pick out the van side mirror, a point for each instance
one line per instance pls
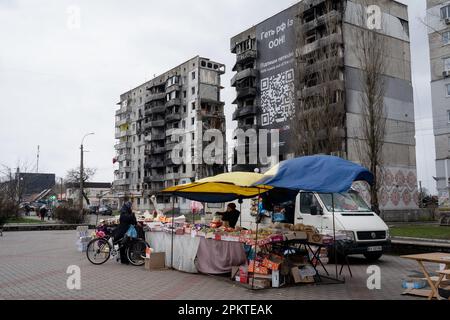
(315, 210)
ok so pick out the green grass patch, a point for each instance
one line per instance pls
(23, 220)
(426, 232)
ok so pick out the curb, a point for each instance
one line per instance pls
(437, 241)
(41, 227)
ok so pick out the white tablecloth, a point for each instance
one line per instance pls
(185, 249)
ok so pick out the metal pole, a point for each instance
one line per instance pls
(240, 215)
(81, 181)
(334, 236)
(173, 221)
(256, 242)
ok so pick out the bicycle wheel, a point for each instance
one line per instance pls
(98, 251)
(136, 252)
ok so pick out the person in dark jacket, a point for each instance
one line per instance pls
(231, 215)
(127, 218)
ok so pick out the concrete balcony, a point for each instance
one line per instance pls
(244, 111)
(320, 89)
(123, 110)
(123, 134)
(122, 122)
(172, 176)
(154, 164)
(157, 96)
(244, 74)
(334, 38)
(125, 169)
(326, 65)
(122, 145)
(171, 145)
(154, 178)
(157, 136)
(246, 92)
(157, 150)
(173, 102)
(172, 88)
(173, 117)
(157, 123)
(124, 157)
(245, 57)
(156, 109)
(122, 182)
(332, 18)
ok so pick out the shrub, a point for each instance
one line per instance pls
(8, 209)
(69, 215)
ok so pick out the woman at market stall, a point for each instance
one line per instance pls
(231, 215)
(127, 219)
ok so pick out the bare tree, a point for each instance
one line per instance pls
(320, 116)
(370, 51)
(73, 176)
(12, 188)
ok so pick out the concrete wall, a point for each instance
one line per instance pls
(399, 181)
(440, 98)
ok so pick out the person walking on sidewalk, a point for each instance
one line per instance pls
(42, 212)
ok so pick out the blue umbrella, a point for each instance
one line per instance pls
(323, 174)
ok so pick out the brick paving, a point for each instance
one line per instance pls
(33, 266)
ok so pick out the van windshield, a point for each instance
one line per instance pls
(345, 202)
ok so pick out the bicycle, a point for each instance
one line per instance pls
(100, 250)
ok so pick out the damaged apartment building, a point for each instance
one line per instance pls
(187, 99)
(301, 72)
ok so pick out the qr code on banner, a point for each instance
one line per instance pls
(277, 98)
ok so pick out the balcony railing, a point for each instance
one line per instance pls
(122, 182)
(122, 134)
(244, 74)
(244, 111)
(123, 110)
(245, 92)
(122, 145)
(334, 38)
(246, 56)
(157, 123)
(173, 102)
(124, 157)
(157, 136)
(172, 117)
(156, 109)
(157, 96)
(331, 17)
(174, 87)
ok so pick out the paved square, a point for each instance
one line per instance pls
(33, 265)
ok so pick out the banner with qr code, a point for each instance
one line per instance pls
(276, 61)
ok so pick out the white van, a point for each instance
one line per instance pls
(368, 233)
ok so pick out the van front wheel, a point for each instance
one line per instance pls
(373, 256)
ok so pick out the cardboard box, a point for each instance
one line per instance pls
(157, 261)
(273, 262)
(315, 238)
(303, 274)
(260, 283)
(296, 235)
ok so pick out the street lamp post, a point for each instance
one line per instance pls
(82, 174)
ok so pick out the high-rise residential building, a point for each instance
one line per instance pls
(438, 20)
(301, 73)
(186, 100)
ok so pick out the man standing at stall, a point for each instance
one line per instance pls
(231, 215)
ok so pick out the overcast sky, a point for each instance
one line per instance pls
(58, 81)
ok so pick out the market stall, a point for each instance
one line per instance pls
(275, 254)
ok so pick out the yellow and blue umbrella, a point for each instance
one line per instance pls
(221, 188)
